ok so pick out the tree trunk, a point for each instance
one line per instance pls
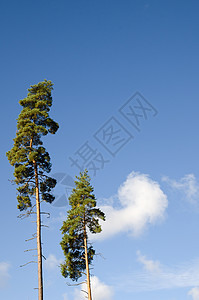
(39, 249)
(87, 265)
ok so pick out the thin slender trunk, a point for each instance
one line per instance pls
(87, 265)
(39, 249)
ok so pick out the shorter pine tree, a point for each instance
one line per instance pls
(82, 216)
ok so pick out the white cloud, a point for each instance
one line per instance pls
(188, 185)
(194, 292)
(100, 291)
(65, 296)
(180, 276)
(149, 265)
(4, 274)
(52, 262)
(142, 202)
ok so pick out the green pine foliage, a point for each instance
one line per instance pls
(28, 152)
(82, 216)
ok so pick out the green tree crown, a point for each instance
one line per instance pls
(33, 123)
(82, 215)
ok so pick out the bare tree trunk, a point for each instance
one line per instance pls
(39, 249)
(87, 265)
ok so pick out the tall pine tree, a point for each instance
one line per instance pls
(82, 216)
(31, 160)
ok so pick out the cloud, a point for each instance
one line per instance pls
(4, 274)
(188, 185)
(51, 263)
(142, 202)
(180, 276)
(194, 292)
(65, 296)
(100, 291)
(149, 265)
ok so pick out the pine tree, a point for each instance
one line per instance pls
(30, 159)
(82, 216)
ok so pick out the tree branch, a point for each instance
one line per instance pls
(31, 239)
(28, 263)
(44, 225)
(75, 284)
(45, 213)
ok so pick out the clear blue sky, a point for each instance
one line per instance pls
(99, 54)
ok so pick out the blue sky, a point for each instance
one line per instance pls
(103, 56)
